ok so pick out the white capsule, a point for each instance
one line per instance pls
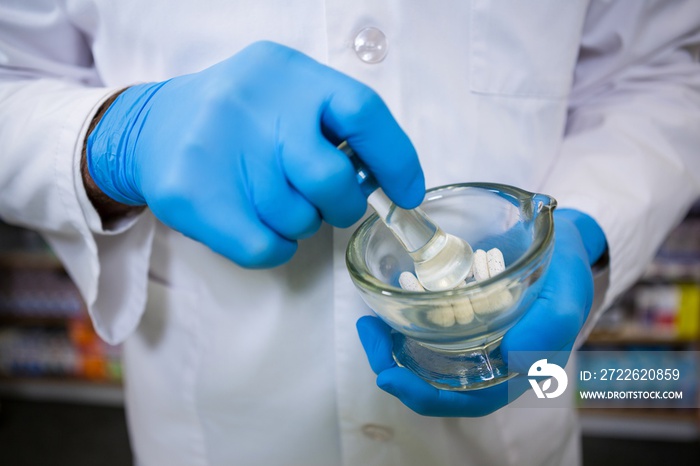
(463, 311)
(501, 299)
(480, 265)
(409, 282)
(496, 263)
(442, 316)
(493, 301)
(480, 304)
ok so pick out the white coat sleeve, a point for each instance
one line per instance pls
(631, 152)
(49, 92)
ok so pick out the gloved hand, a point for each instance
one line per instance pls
(242, 156)
(551, 324)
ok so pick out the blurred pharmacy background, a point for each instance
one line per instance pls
(61, 399)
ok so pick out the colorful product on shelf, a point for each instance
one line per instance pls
(76, 352)
(45, 331)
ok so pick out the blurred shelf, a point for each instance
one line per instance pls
(63, 390)
(656, 424)
(632, 335)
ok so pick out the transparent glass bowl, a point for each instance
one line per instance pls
(452, 338)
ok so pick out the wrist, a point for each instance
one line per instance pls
(107, 208)
(111, 146)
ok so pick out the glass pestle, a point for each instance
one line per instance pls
(442, 261)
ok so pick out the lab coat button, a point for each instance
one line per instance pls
(370, 45)
(377, 432)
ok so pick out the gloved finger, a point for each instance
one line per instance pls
(278, 205)
(357, 114)
(230, 228)
(558, 313)
(592, 234)
(375, 337)
(325, 177)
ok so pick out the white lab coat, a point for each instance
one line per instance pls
(231, 366)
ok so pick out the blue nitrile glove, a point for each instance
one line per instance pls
(551, 324)
(242, 156)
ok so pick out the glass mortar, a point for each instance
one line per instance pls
(464, 355)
